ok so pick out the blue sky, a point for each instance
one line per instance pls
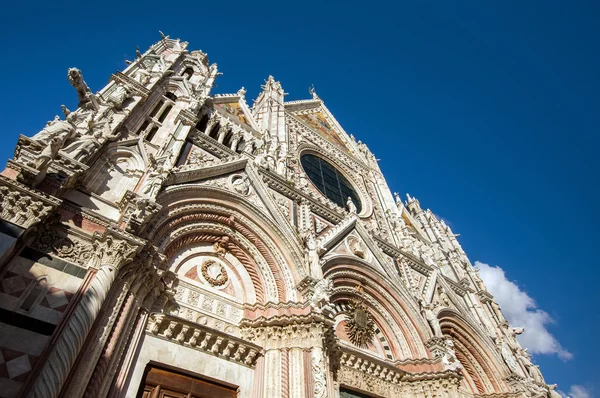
(488, 112)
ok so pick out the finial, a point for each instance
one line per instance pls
(241, 92)
(138, 53)
(162, 35)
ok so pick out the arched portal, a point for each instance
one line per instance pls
(482, 371)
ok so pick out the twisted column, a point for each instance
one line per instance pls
(121, 331)
(285, 373)
(88, 357)
(64, 353)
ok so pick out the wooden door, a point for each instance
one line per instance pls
(163, 383)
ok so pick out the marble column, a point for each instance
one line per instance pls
(88, 357)
(64, 352)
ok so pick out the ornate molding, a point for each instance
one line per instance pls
(134, 87)
(22, 205)
(115, 248)
(202, 338)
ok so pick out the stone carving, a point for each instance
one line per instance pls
(53, 137)
(118, 96)
(154, 180)
(241, 184)
(360, 326)
(86, 145)
(142, 75)
(214, 273)
(137, 210)
(351, 206)
(22, 206)
(113, 250)
(357, 247)
(65, 247)
(312, 256)
(203, 338)
(220, 246)
(449, 359)
(509, 358)
(443, 299)
(84, 94)
(431, 317)
(319, 373)
(320, 298)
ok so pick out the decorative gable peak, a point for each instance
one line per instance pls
(272, 90)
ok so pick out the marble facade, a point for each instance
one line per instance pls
(160, 229)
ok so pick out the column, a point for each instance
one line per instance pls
(64, 352)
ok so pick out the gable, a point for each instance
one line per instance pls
(320, 122)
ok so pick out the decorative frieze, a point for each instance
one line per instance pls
(22, 205)
(202, 338)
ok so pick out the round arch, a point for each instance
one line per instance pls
(194, 213)
(394, 313)
(482, 369)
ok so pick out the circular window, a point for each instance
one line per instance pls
(329, 181)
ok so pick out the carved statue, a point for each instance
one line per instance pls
(84, 94)
(141, 74)
(449, 359)
(82, 148)
(282, 165)
(154, 182)
(320, 298)
(351, 206)
(399, 203)
(443, 298)
(118, 96)
(312, 257)
(220, 246)
(427, 311)
(53, 136)
(241, 185)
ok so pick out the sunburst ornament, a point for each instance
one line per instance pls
(360, 327)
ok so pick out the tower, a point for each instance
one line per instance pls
(161, 239)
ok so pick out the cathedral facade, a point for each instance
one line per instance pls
(163, 241)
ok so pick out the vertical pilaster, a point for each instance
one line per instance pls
(296, 371)
(272, 373)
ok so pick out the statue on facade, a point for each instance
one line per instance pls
(351, 206)
(312, 256)
(431, 317)
(443, 298)
(321, 296)
(53, 136)
(118, 96)
(142, 75)
(449, 358)
(84, 94)
(220, 246)
(154, 181)
(399, 203)
(83, 147)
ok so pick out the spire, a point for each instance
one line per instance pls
(413, 204)
(269, 111)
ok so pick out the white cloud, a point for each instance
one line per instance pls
(576, 392)
(520, 310)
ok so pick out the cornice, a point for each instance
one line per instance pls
(201, 338)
